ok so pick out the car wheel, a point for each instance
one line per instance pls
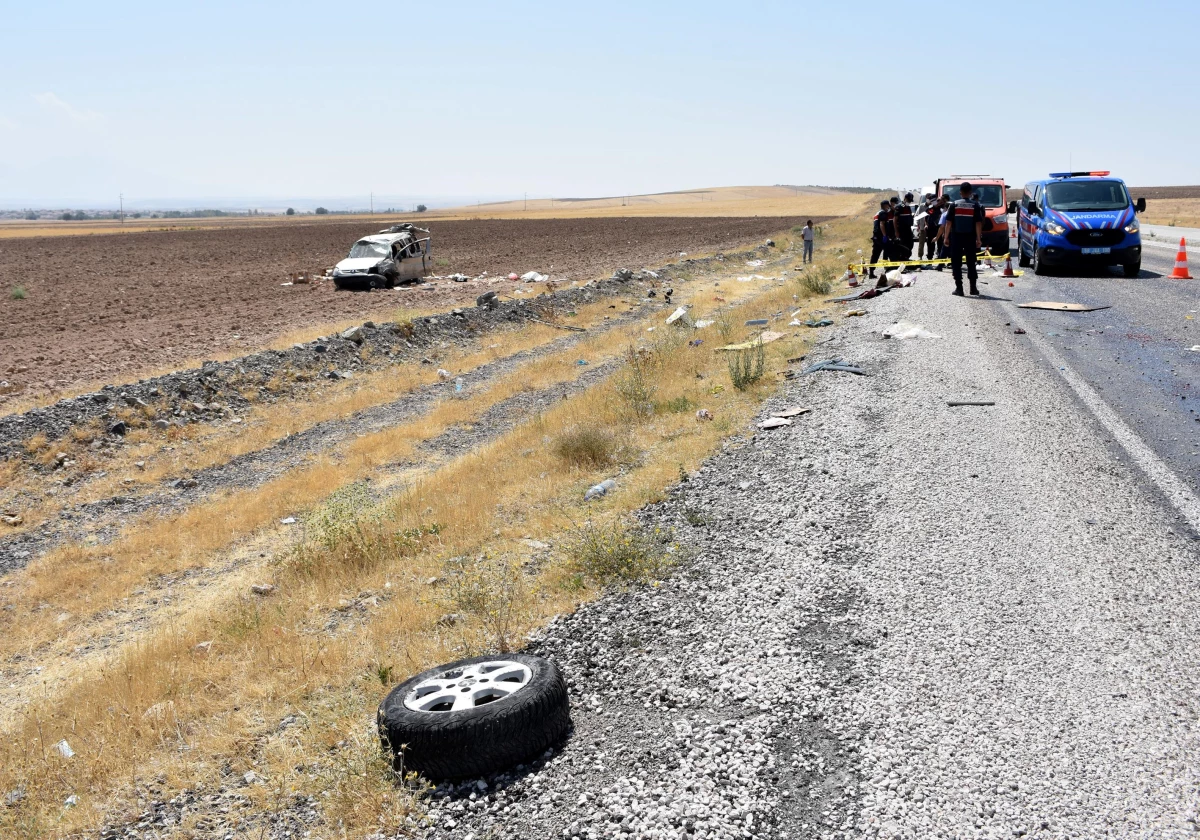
(475, 716)
(1132, 269)
(1039, 263)
(1022, 259)
(373, 283)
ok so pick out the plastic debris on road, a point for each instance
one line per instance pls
(64, 749)
(599, 490)
(703, 323)
(906, 329)
(834, 365)
(756, 263)
(534, 277)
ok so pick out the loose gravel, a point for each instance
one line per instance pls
(899, 620)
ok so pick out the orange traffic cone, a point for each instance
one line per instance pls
(1181, 268)
(1008, 272)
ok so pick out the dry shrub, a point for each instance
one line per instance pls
(817, 282)
(747, 366)
(608, 552)
(588, 447)
(494, 591)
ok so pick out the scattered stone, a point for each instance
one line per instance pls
(263, 589)
(12, 519)
(119, 428)
(450, 620)
(64, 749)
(203, 647)
(162, 424)
(354, 334)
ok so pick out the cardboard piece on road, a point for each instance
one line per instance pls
(1058, 306)
(790, 411)
(766, 338)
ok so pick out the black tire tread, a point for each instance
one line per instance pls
(455, 745)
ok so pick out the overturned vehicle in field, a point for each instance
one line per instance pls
(399, 254)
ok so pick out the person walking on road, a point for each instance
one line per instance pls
(807, 235)
(966, 237)
(880, 225)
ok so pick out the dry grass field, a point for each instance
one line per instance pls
(170, 680)
(715, 201)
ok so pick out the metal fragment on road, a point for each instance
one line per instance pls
(1059, 306)
(969, 402)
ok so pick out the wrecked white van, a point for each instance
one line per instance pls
(399, 254)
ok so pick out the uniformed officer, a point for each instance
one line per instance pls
(903, 224)
(880, 228)
(966, 237)
(927, 239)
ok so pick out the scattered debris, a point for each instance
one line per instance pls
(855, 313)
(766, 338)
(703, 414)
(905, 329)
(64, 749)
(757, 322)
(159, 711)
(756, 263)
(703, 323)
(1018, 331)
(1058, 306)
(774, 423)
(676, 315)
(836, 365)
(263, 589)
(288, 520)
(534, 277)
(450, 619)
(71, 801)
(824, 322)
(443, 374)
(119, 428)
(355, 334)
(203, 647)
(790, 411)
(458, 278)
(1196, 348)
(488, 300)
(599, 490)
(969, 402)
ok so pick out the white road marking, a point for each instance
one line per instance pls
(1176, 491)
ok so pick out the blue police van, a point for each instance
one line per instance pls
(1082, 219)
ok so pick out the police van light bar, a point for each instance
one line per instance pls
(1078, 174)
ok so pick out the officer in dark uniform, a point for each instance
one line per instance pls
(903, 224)
(881, 227)
(966, 237)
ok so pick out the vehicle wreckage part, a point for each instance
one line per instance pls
(475, 716)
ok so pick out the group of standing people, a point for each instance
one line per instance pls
(944, 228)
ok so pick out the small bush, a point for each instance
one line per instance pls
(587, 446)
(493, 589)
(291, 211)
(609, 552)
(818, 281)
(635, 383)
(18, 293)
(321, 211)
(678, 405)
(747, 366)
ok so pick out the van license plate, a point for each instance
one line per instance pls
(1097, 250)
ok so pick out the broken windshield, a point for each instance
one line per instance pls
(363, 248)
(989, 195)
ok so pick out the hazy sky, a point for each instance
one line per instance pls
(298, 99)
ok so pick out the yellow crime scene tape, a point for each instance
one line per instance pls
(860, 267)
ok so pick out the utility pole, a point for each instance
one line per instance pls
(372, 202)
(526, 202)
(122, 200)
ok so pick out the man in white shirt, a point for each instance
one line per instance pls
(807, 235)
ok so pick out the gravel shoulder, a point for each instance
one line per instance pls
(900, 619)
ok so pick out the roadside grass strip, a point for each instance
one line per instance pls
(284, 685)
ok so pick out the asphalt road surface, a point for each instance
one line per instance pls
(1136, 354)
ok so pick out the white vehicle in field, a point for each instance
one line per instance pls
(399, 254)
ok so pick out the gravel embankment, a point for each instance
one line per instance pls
(902, 620)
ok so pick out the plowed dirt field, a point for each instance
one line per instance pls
(105, 308)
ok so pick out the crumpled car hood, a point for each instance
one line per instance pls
(358, 264)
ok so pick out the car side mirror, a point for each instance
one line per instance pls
(1012, 207)
(1141, 205)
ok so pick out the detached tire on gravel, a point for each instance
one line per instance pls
(475, 716)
